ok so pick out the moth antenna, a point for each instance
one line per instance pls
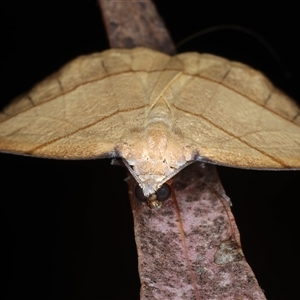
(257, 36)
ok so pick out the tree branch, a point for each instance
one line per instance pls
(190, 248)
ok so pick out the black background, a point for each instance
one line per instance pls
(67, 225)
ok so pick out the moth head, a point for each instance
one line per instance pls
(152, 174)
(154, 157)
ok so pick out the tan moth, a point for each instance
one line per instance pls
(158, 113)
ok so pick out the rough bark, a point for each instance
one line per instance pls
(131, 24)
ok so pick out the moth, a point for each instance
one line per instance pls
(159, 113)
